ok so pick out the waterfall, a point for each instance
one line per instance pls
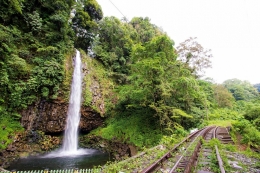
(70, 142)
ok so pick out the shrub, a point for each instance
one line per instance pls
(250, 135)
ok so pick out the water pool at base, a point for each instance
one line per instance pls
(67, 162)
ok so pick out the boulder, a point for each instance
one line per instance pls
(89, 120)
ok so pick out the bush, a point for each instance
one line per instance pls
(138, 129)
(250, 135)
(252, 113)
(8, 125)
(224, 114)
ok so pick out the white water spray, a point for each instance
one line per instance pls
(70, 142)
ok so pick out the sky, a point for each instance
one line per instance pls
(230, 28)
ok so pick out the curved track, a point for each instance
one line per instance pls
(178, 157)
(184, 156)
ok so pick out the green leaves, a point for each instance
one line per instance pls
(8, 125)
(33, 42)
(250, 135)
(139, 129)
(161, 83)
(253, 115)
(84, 23)
(93, 9)
(180, 113)
(196, 58)
(16, 4)
(146, 31)
(18, 65)
(113, 46)
(47, 76)
(35, 21)
(222, 96)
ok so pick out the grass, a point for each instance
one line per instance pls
(138, 130)
(144, 159)
(8, 127)
(222, 123)
(68, 71)
(249, 153)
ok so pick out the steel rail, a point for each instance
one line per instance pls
(220, 162)
(157, 163)
(195, 152)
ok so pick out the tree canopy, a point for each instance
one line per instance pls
(241, 90)
(194, 56)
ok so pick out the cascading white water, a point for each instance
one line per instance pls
(70, 142)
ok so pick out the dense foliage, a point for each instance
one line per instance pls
(113, 45)
(241, 90)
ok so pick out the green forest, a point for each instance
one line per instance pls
(155, 90)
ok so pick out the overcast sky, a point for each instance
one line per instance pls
(230, 28)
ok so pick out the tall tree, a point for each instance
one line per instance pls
(145, 29)
(161, 83)
(222, 96)
(113, 46)
(194, 56)
(84, 23)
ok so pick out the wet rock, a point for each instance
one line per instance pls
(119, 150)
(89, 119)
(23, 154)
(23, 146)
(50, 117)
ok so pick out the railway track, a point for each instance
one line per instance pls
(178, 157)
(184, 156)
(205, 163)
(152, 159)
(223, 135)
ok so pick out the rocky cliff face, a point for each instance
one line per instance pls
(50, 117)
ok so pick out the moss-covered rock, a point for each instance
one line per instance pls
(118, 149)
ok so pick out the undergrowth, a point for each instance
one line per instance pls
(98, 87)
(250, 135)
(139, 130)
(8, 126)
(136, 163)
